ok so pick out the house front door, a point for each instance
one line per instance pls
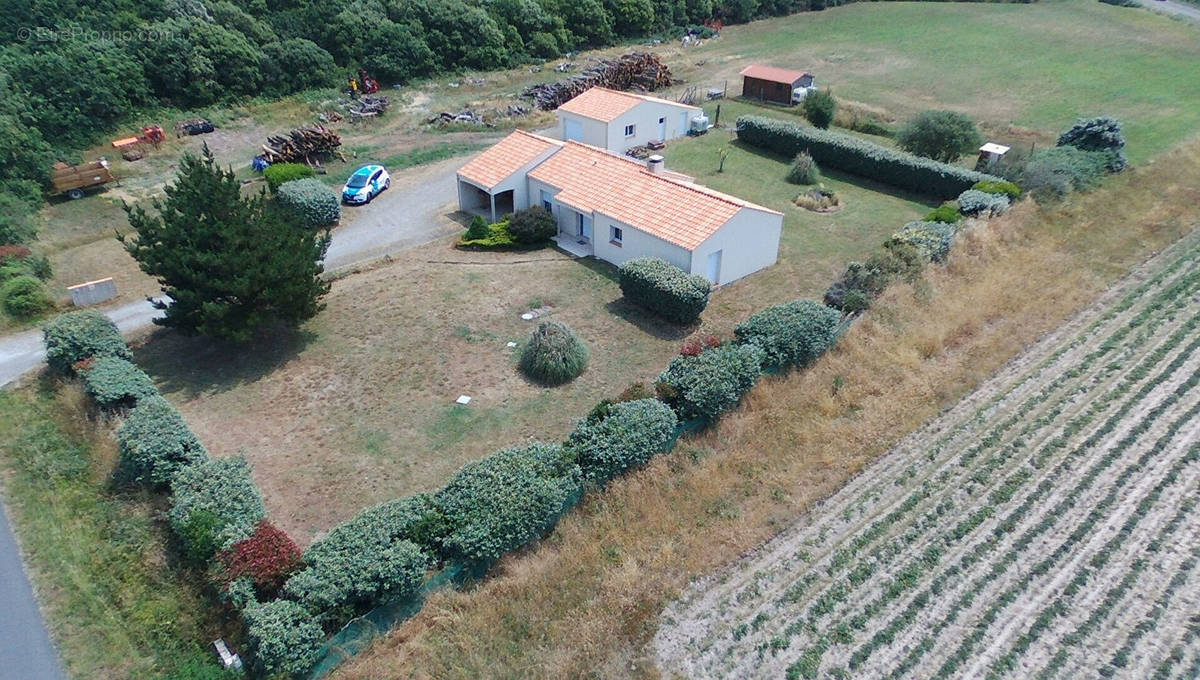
(585, 227)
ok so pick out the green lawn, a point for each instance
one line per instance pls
(117, 605)
(1036, 66)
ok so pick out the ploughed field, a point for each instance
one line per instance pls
(1045, 527)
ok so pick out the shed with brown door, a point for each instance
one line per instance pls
(772, 84)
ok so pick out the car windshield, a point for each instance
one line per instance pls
(358, 180)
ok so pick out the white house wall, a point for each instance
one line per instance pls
(594, 131)
(748, 242)
(644, 117)
(516, 181)
(634, 243)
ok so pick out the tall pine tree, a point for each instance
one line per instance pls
(230, 264)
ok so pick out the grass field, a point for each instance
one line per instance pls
(1041, 528)
(117, 605)
(587, 602)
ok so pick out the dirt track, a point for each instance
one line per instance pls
(1008, 538)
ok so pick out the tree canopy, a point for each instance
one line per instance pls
(941, 135)
(230, 264)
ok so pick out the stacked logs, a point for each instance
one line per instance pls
(636, 70)
(300, 144)
(368, 106)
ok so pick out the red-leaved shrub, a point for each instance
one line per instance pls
(13, 253)
(267, 558)
(711, 341)
(691, 349)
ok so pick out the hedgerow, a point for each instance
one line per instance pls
(858, 156)
(284, 639)
(791, 334)
(375, 556)
(862, 282)
(311, 201)
(975, 203)
(267, 557)
(664, 289)
(931, 239)
(113, 381)
(553, 354)
(155, 443)
(500, 503)
(280, 173)
(76, 336)
(222, 494)
(707, 385)
(628, 435)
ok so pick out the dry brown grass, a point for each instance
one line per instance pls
(586, 601)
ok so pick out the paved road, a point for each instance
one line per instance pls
(1179, 9)
(26, 652)
(413, 211)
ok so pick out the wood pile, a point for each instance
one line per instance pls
(465, 116)
(301, 144)
(368, 106)
(636, 70)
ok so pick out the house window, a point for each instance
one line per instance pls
(546, 201)
(615, 235)
(629, 130)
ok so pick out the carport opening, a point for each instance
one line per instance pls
(504, 204)
(476, 201)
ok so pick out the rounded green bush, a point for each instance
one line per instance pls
(820, 108)
(988, 186)
(946, 212)
(625, 435)
(712, 382)
(75, 336)
(222, 487)
(553, 355)
(155, 443)
(316, 204)
(532, 225)
(664, 289)
(804, 170)
(113, 381)
(285, 640)
(276, 175)
(25, 297)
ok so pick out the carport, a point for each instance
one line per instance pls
(493, 183)
(476, 200)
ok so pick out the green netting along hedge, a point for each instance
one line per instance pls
(374, 557)
(76, 336)
(858, 156)
(284, 639)
(155, 443)
(664, 289)
(506, 500)
(630, 434)
(791, 334)
(222, 493)
(708, 384)
(113, 381)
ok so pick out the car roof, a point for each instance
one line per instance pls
(368, 169)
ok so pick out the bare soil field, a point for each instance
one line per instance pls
(1038, 529)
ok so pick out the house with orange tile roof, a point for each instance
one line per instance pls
(616, 208)
(618, 121)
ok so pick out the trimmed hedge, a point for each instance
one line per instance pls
(314, 203)
(931, 239)
(553, 354)
(791, 334)
(858, 156)
(214, 505)
(626, 436)
(497, 237)
(113, 381)
(998, 187)
(155, 443)
(664, 289)
(376, 556)
(284, 639)
(706, 385)
(981, 204)
(276, 175)
(946, 212)
(506, 500)
(76, 336)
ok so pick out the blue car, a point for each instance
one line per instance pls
(367, 183)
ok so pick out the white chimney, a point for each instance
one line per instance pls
(655, 163)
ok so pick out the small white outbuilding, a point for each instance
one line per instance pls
(619, 121)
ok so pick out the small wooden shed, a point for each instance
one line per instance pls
(773, 84)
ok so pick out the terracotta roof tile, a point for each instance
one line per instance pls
(773, 73)
(605, 105)
(508, 156)
(592, 180)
